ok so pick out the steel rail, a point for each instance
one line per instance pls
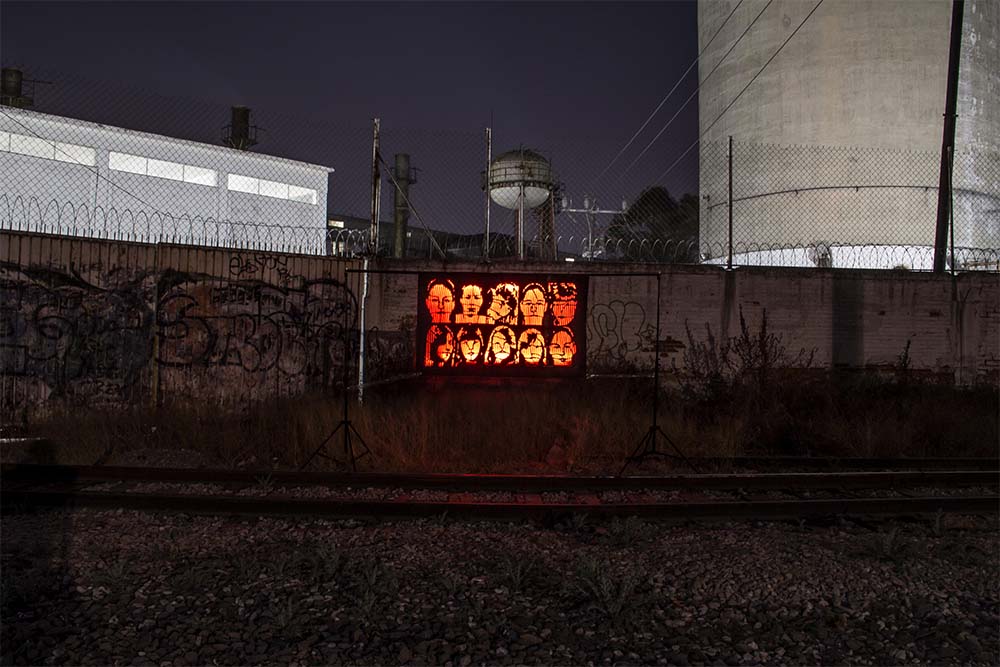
(27, 473)
(250, 506)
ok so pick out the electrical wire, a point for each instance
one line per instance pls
(94, 170)
(729, 106)
(695, 92)
(409, 204)
(667, 96)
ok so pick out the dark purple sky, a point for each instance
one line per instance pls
(573, 79)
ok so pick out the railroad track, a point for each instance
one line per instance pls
(710, 496)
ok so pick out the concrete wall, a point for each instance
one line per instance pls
(108, 323)
(94, 322)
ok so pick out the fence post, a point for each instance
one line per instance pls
(951, 204)
(486, 189)
(729, 261)
(376, 190)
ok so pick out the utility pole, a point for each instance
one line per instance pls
(948, 140)
(401, 206)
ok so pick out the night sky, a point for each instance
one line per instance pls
(573, 80)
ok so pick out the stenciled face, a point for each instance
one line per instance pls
(563, 311)
(531, 346)
(443, 350)
(562, 348)
(472, 301)
(470, 348)
(500, 343)
(533, 306)
(499, 306)
(440, 302)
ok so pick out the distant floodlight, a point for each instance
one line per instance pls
(586, 202)
(564, 202)
(624, 204)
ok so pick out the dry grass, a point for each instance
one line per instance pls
(580, 426)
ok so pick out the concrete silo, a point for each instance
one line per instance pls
(837, 142)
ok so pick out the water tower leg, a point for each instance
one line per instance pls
(519, 233)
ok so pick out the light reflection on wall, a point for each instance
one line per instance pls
(484, 325)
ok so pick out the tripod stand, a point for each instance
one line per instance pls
(647, 447)
(350, 433)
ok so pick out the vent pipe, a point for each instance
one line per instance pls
(12, 87)
(240, 133)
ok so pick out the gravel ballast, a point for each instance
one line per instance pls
(120, 587)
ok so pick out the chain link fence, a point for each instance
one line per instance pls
(181, 170)
(845, 207)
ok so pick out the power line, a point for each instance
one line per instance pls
(728, 106)
(93, 170)
(692, 95)
(667, 96)
(409, 204)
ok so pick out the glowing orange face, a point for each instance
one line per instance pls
(471, 301)
(470, 344)
(501, 345)
(562, 348)
(533, 305)
(531, 347)
(440, 302)
(440, 347)
(503, 298)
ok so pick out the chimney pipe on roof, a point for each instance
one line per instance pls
(240, 134)
(11, 88)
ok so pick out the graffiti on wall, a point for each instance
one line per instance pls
(486, 324)
(257, 266)
(79, 340)
(96, 339)
(254, 326)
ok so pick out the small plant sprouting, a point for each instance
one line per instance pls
(264, 484)
(516, 571)
(374, 582)
(612, 596)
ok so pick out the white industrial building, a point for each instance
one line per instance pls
(68, 176)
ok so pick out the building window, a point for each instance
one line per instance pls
(161, 169)
(32, 146)
(259, 186)
(173, 171)
(75, 154)
(307, 195)
(273, 189)
(133, 164)
(199, 175)
(50, 150)
(238, 183)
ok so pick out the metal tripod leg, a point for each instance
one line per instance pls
(647, 449)
(349, 454)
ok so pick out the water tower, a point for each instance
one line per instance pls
(522, 179)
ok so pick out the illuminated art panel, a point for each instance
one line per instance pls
(476, 324)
